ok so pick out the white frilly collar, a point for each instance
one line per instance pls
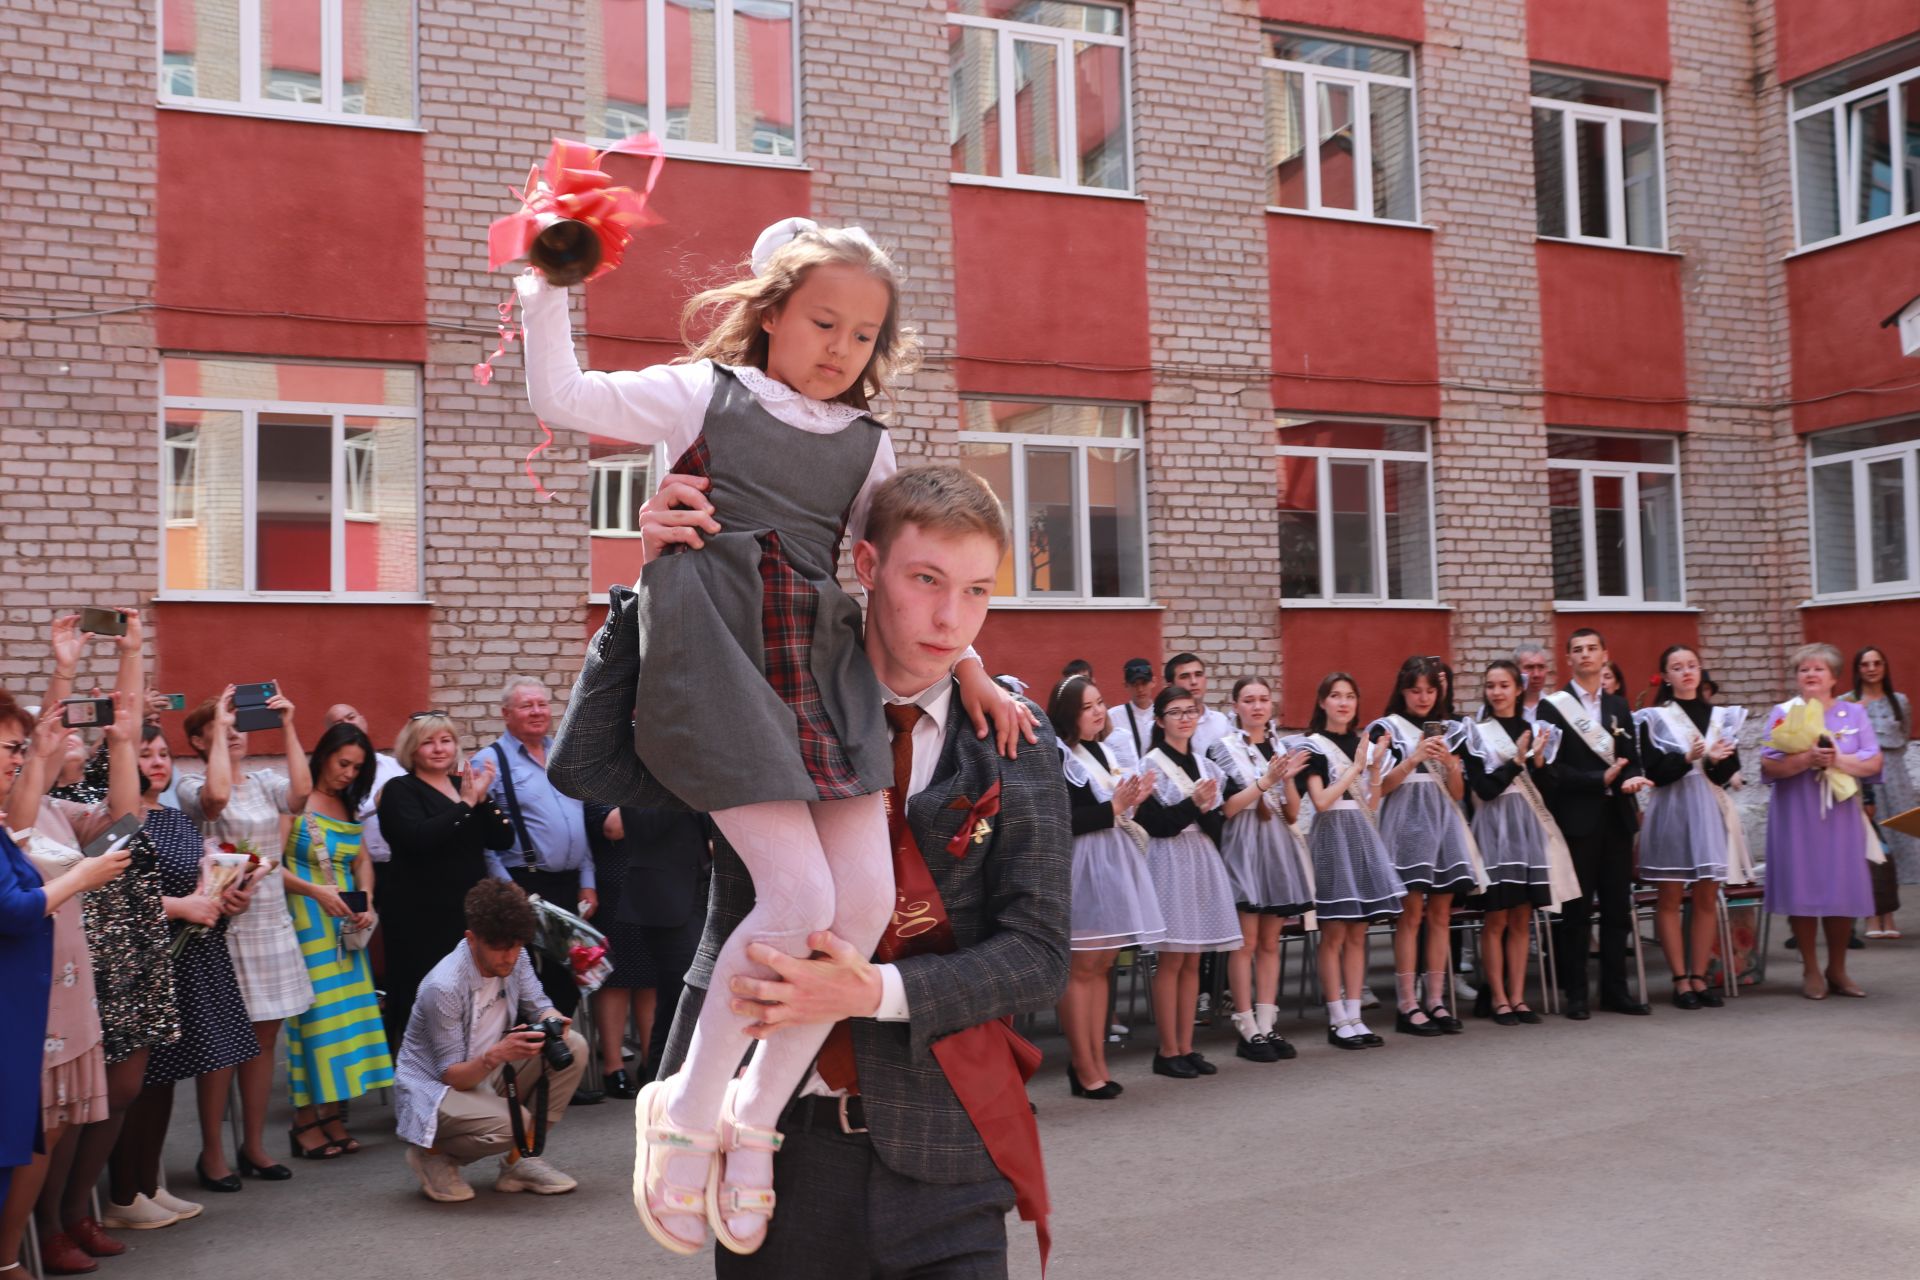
(802, 411)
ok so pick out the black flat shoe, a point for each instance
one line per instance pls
(1406, 1026)
(1178, 1067)
(1448, 1024)
(1526, 1015)
(1201, 1065)
(1683, 998)
(1282, 1051)
(1577, 1010)
(1709, 998)
(1633, 1007)
(229, 1183)
(1506, 1019)
(1339, 1041)
(269, 1172)
(620, 1085)
(1370, 1040)
(1255, 1050)
(1106, 1092)
(585, 1097)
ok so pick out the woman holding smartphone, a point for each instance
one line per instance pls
(337, 1049)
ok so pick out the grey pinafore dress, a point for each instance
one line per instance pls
(752, 631)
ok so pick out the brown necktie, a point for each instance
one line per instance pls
(836, 1063)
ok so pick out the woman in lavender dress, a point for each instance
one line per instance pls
(1817, 852)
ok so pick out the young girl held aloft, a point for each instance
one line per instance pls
(773, 407)
(1354, 882)
(1425, 831)
(1266, 861)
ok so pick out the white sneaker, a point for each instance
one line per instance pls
(1118, 1029)
(142, 1215)
(175, 1205)
(1368, 1000)
(533, 1174)
(439, 1176)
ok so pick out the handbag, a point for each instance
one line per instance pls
(350, 938)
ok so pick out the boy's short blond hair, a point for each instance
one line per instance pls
(940, 499)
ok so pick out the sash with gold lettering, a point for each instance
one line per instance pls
(1595, 736)
(1496, 747)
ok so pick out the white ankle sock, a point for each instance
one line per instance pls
(1405, 989)
(1264, 1016)
(1244, 1023)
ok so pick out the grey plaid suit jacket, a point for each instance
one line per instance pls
(1008, 900)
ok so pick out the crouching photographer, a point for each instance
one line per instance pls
(487, 1065)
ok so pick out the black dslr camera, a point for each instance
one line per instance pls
(555, 1050)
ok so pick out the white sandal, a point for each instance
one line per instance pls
(726, 1199)
(657, 1142)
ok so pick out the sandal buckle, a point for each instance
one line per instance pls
(845, 1126)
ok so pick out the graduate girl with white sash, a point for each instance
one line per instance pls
(1114, 905)
(1690, 833)
(1433, 851)
(1183, 822)
(1353, 877)
(1527, 864)
(1266, 861)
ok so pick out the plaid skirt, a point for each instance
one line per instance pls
(266, 956)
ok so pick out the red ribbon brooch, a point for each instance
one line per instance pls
(977, 827)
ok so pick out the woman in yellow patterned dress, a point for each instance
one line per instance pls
(337, 1049)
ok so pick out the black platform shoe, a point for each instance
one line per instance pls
(1177, 1067)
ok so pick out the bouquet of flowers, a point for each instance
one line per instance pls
(1801, 729)
(567, 939)
(224, 865)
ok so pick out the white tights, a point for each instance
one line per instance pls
(824, 865)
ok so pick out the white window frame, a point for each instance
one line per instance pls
(1571, 115)
(1858, 461)
(1628, 473)
(253, 102)
(626, 463)
(725, 123)
(1018, 443)
(250, 411)
(187, 515)
(1359, 83)
(1377, 501)
(1066, 108)
(1846, 152)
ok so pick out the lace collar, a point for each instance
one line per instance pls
(812, 413)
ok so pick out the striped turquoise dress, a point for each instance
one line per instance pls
(338, 1048)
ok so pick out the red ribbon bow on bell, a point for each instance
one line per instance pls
(584, 958)
(975, 828)
(573, 187)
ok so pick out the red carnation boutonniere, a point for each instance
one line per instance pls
(977, 827)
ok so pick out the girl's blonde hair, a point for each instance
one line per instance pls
(417, 731)
(737, 338)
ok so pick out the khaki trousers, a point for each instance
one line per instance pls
(474, 1123)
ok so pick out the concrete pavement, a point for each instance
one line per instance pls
(1777, 1137)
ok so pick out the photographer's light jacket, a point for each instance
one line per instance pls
(556, 823)
(441, 1034)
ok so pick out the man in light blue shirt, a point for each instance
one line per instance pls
(550, 856)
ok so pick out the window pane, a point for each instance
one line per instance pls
(617, 68)
(377, 53)
(1338, 182)
(1100, 114)
(1610, 535)
(293, 503)
(1818, 178)
(1870, 125)
(1569, 548)
(290, 51)
(1299, 528)
(200, 49)
(382, 505)
(1115, 522)
(1312, 433)
(1828, 443)
(1391, 120)
(1549, 171)
(306, 383)
(204, 491)
(1590, 177)
(1286, 139)
(1835, 568)
(622, 480)
(994, 464)
(1640, 170)
(1910, 111)
(1887, 518)
(1649, 448)
(1659, 537)
(763, 77)
(1109, 421)
(692, 63)
(1036, 108)
(1351, 485)
(974, 105)
(1053, 555)
(1595, 93)
(1296, 47)
(1409, 563)
(1097, 19)
(1857, 76)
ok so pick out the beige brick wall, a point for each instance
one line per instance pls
(81, 384)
